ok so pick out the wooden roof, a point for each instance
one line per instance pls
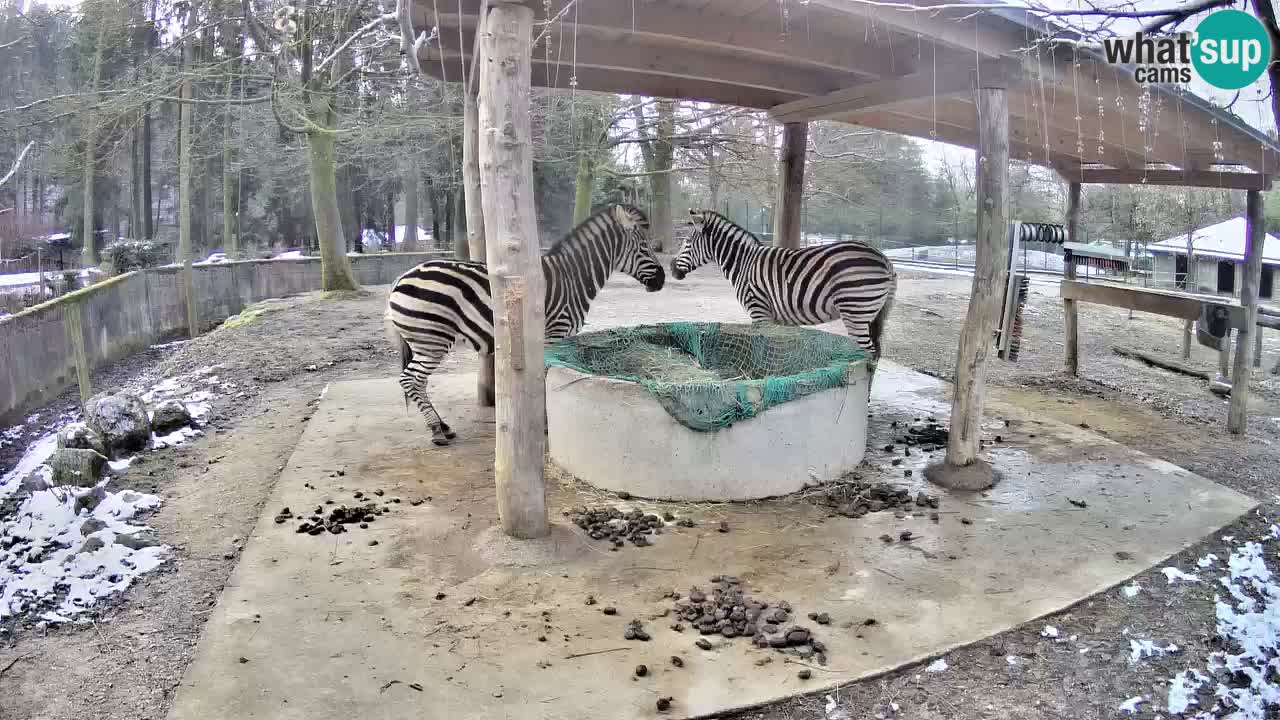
(875, 65)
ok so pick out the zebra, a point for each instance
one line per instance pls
(849, 281)
(439, 301)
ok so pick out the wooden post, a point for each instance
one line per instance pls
(73, 325)
(1238, 414)
(475, 220)
(1257, 347)
(1224, 358)
(786, 219)
(1069, 310)
(990, 269)
(515, 268)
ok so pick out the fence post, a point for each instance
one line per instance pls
(73, 325)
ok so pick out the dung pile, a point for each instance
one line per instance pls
(729, 612)
(925, 433)
(617, 527)
(337, 519)
(856, 498)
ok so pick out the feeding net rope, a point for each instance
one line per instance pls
(710, 375)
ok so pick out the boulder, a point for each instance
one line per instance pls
(169, 416)
(139, 540)
(91, 526)
(90, 500)
(37, 480)
(78, 467)
(122, 422)
(79, 436)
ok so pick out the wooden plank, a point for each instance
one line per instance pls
(1163, 364)
(515, 270)
(786, 222)
(1238, 412)
(475, 223)
(887, 92)
(1181, 178)
(1146, 300)
(1071, 325)
(990, 268)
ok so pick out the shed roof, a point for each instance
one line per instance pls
(889, 66)
(1225, 240)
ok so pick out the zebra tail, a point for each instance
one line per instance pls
(406, 352)
(881, 320)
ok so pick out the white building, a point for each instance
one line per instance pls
(1218, 251)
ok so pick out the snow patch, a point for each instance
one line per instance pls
(1130, 706)
(1142, 649)
(1049, 631)
(175, 438)
(1131, 590)
(1172, 574)
(43, 563)
(937, 666)
(1207, 561)
(1182, 690)
(35, 456)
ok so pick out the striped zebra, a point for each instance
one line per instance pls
(849, 281)
(439, 301)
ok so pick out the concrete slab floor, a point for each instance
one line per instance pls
(443, 618)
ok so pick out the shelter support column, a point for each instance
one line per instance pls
(786, 218)
(1071, 324)
(962, 468)
(475, 218)
(1238, 413)
(515, 268)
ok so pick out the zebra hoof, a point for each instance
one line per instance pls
(449, 434)
(440, 442)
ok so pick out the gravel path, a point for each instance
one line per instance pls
(281, 354)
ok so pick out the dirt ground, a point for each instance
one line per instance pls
(281, 356)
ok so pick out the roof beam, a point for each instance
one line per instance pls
(952, 80)
(631, 55)
(971, 30)
(684, 27)
(1180, 178)
(622, 81)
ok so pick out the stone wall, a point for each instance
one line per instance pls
(131, 312)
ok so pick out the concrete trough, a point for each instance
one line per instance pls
(616, 435)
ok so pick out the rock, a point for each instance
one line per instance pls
(703, 644)
(37, 480)
(89, 501)
(91, 526)
(77, 467)
(139, 540)
(122, 422)
(78, 436)
(92, 544)
(169, 416)
(805, 674)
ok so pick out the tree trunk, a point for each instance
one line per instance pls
(436, 238)
(1071, 360)
(322, 162)
(448, 218)
(786, 221)
(230, 200)
(149, 218)
(410, 180)
(185, 146)
(476, 248)
(89, 250)
(1238, 412)
(348, 207)
(588, 147)
(659, 155)
(458, 222)
(989, 273)
(515, 270)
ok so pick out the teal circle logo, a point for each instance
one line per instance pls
(1232, 49)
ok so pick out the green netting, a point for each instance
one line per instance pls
(710, 375)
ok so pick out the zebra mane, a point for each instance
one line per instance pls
(603, 217)
(742, 233)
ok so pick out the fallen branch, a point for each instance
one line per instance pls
(594, 652)
(1163, 364)
(11, 663)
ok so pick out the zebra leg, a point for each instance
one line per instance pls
(861, 333)
(413, 380)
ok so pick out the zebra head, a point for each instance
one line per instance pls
(696, 251)
(636, 257)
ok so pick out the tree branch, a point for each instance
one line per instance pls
(16, 164)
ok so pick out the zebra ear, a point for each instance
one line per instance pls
(694, 217)
(623, 217)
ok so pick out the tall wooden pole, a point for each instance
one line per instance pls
(1238, 414)
(475, 219)
(1069, 310)
(786, 218)
(515, 268)
(962, 468)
